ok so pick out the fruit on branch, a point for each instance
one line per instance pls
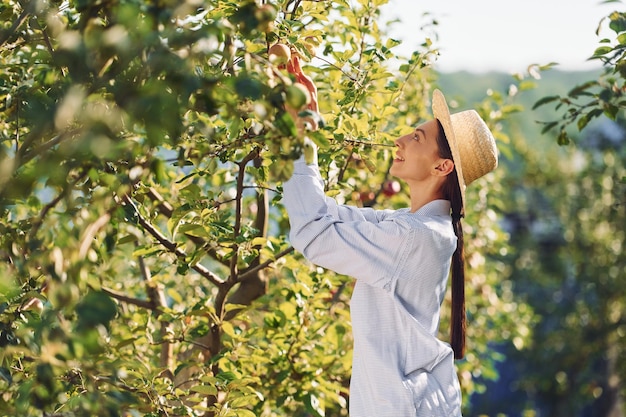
(297, 96)
(311, 43)
(266, 14)
(279, 54)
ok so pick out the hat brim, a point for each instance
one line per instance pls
(441, 112)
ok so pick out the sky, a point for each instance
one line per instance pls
(502, 35)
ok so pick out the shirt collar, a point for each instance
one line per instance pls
(435, 208)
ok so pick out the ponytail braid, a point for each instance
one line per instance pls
(458, 317)
(452, 192)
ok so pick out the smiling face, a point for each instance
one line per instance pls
(417, 158)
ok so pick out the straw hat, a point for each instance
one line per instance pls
(473, 147)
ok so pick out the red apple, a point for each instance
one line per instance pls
(367, 196)
(390, 187)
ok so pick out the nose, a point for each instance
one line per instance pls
(400, 141)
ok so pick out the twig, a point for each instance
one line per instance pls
(343, 169)
(252, 271)
(130, 300)
(27, 156)
(157, 299)
(167, 210)
(171, 246)
(238, 210)
(90, 234)
(14, 27)
(44, 212)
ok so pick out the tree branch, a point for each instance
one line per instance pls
(44, 212)
(171, 246)
(27, 156)
(252, 271)
(220, 298)
(163, 206)
(4, 37)
(157, 298)
(90, 234)
(130, 300)
(238, 212)
(166, 209)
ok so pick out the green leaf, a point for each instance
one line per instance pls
(5, 374)
(602, 50)
(146, 251)
(175, 295)
(281, 170)
(313, 405)
(248, 87)
(127, 239)
(193, 229)
(611, 111)
(226, 376)
(204, 389)
(548, 126)
(243, 401)
(545, 100)
(582, 88)
(96, 308)
(244, 413)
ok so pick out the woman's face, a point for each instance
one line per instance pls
(417, 154)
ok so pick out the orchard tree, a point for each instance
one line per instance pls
(146, 269)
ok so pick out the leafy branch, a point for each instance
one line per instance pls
(169, 245)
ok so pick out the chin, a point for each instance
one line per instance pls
(394, 174)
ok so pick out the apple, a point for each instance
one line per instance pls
(298, 96)
(367, 196)
(390, 187)
(311, 43)
(279, 54)
(266, 14)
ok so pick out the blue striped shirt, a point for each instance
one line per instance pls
(401, 261)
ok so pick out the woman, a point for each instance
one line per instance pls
(400, 260)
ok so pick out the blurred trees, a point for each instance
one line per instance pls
(584, 262)
(566, 216)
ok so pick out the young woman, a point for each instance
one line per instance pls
(401, 261)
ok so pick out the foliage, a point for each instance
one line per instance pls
(566, 213)
(573, 244)
(604, 96)
(146, 270)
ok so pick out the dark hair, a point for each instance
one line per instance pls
(452, 192)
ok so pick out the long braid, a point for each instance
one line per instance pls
(452, 193)
(458, 320)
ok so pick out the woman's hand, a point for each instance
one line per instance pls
(293, 66)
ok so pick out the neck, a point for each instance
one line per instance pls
(424, 194)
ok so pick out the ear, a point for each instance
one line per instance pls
(444, 167)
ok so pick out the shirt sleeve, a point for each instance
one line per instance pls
(350, 241)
